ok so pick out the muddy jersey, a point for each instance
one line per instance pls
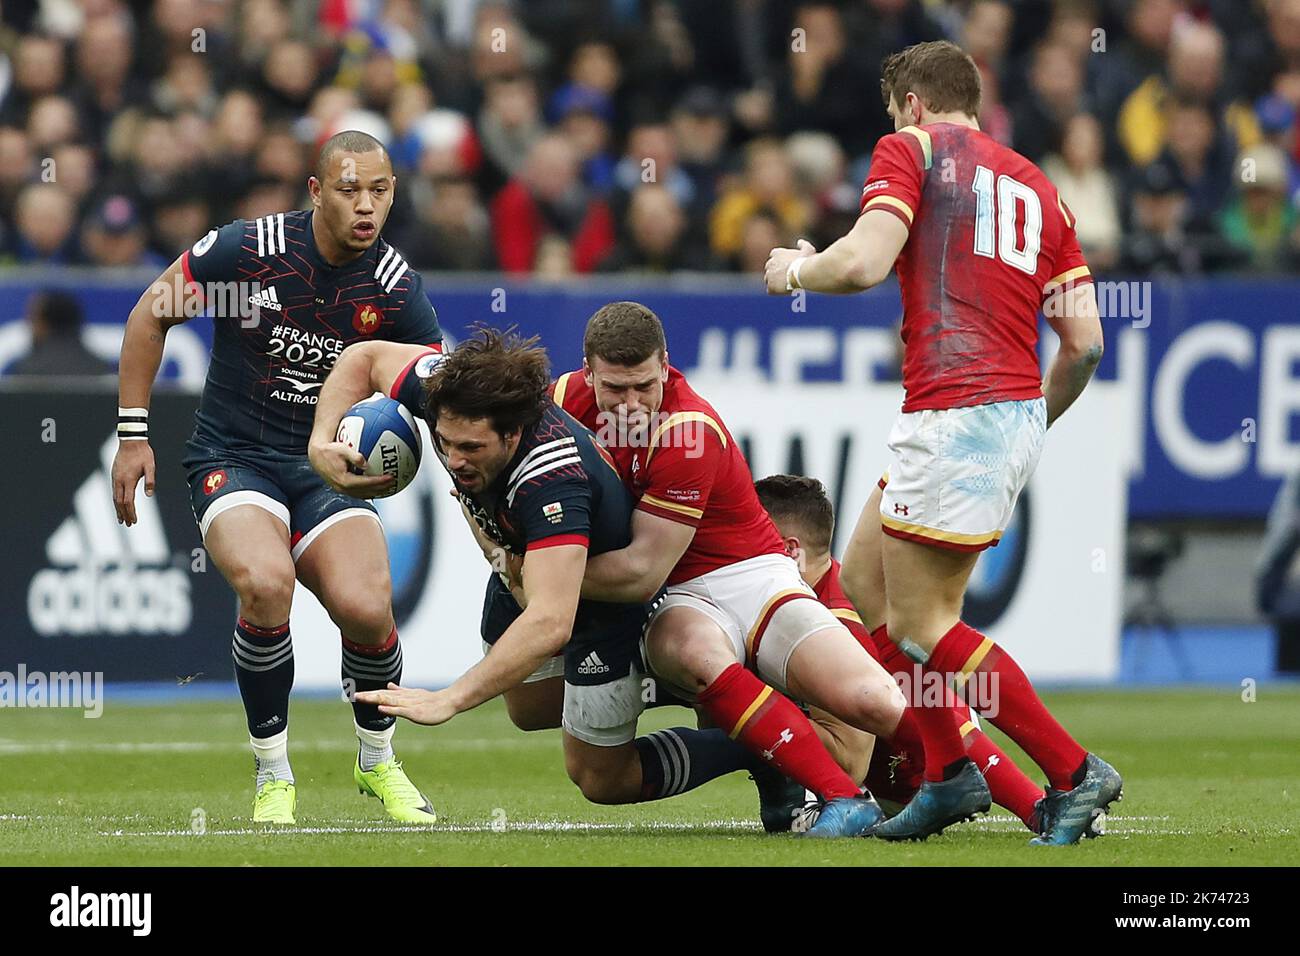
(988, 239)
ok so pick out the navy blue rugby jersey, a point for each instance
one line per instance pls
(282, 315)
(561, 486)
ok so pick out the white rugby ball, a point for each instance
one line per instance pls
(384, 432)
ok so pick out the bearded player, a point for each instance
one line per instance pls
(982, 242)
(316, 281)
(805, 519)
(737, 630)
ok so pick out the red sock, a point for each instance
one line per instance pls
(888, 777)
(769, 725)
(371, 650)
(907, 740)
(931, 727)
(1007, 782)
(1020, 714)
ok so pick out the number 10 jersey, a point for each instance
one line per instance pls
(989, 239)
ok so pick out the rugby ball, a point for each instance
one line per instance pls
(386, 434)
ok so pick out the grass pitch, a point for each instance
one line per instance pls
(1209, 779)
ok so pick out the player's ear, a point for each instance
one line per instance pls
(586, 371)
(663, 372)
(914, 109)
(313, 190)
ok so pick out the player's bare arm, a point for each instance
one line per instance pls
(637, 572)
(165, 303)
(1073, 315)
(552, 579)
(856, 261)
(362, 370)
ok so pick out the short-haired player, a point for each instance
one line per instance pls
(317, 280)
(982, 242)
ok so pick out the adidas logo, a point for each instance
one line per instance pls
(103, 577)
(266, 299)
(592, 664)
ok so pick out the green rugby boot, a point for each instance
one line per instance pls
(274, 802)
(389, 782)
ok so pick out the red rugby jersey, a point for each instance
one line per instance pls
(689, 469)
(830, 593)
(989, 239)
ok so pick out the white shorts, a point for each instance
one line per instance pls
(604, 715)
(763, 606)
(957, 472)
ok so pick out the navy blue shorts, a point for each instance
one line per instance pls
(605, 645)
(284, 485)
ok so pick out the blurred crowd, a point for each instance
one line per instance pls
(576, 136)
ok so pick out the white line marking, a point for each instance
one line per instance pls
(526, 826)
(1116, 828)
(329, 746)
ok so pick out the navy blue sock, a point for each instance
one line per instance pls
(680, 759)
(371, 668)
(264, 671)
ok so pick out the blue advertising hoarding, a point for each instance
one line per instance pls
(1215, 362)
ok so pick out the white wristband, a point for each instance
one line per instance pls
(132, 424)
(792, 275)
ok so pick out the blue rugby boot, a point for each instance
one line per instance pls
(1070, 815)
(846, 817)
(938, 805)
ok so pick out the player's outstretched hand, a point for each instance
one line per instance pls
(778, 266)
(340, 466)
(133, 461)
(428, 707)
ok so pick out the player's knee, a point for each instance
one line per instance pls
(596, 786)
(363, 610)
(265, 592)
(693, 654)
(876, 707)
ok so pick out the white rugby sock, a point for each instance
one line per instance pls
(376, 745)
(272, 757)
